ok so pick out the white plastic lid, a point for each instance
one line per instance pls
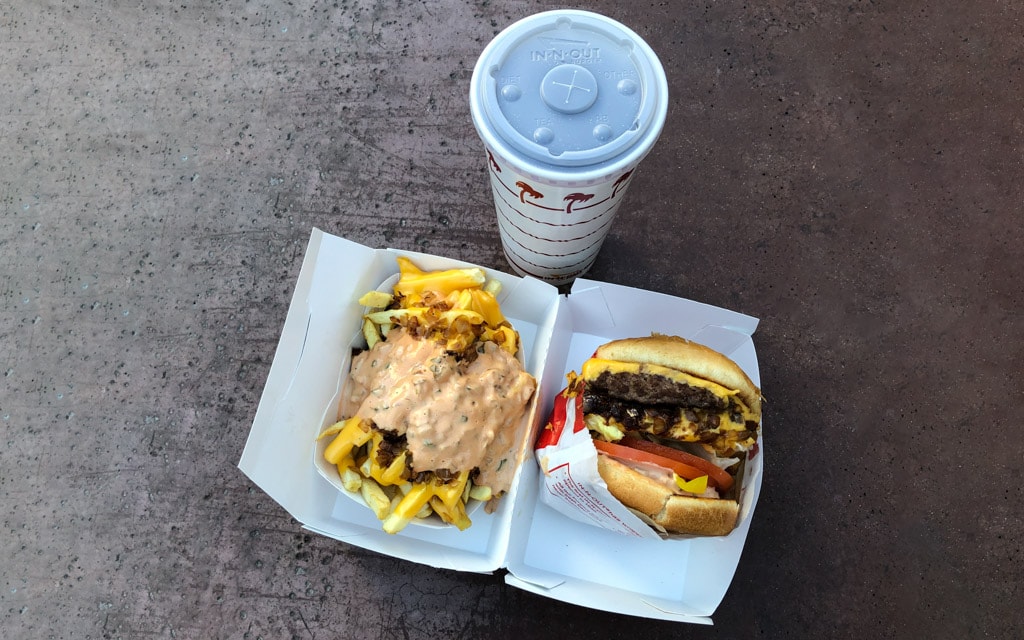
(569, 88)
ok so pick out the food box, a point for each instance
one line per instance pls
(540, 549)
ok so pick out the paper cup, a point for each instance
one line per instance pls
(567, 104)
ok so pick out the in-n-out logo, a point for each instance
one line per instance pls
(565, 50)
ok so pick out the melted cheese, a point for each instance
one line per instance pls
(729, 432)
(684, 430)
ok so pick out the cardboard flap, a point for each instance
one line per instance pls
(610, 309)
(276, 454)
(584, 595)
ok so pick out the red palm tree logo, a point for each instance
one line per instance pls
(621, 181)
(494, 163)
(527, 190)
(573, 198)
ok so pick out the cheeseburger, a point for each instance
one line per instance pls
(673, 422)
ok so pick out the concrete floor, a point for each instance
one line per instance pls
(850, 173)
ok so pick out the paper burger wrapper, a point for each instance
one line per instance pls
(570, 482)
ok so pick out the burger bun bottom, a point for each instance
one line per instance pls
(676, 513)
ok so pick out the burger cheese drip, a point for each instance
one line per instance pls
(622, 397)
(453, 413)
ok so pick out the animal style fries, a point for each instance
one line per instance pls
(431, 413)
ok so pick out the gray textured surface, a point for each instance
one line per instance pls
(848, 172)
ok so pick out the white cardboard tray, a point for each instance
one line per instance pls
(542, 550)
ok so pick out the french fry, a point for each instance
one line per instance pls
(370, 466)
(350, 477)
(396, 315)
(395, 500)
(347, 462)
(408, 507)
(461, 299)
(443, 282)
(375, 498)
(332, 430)
(376, 299)
(504, 336)
(479, 492)
(455, 515)
(484, 303)
(451, 492)
(394, 472)
(407, 268)
(350, 436)
(371, 333)
(425, 512)
(366, 467)
(460, 519)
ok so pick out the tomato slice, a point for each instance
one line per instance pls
(719, 477)
(553, 431)
(638, 455)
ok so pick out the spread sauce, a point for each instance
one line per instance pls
(664, 477)
(454, 415)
